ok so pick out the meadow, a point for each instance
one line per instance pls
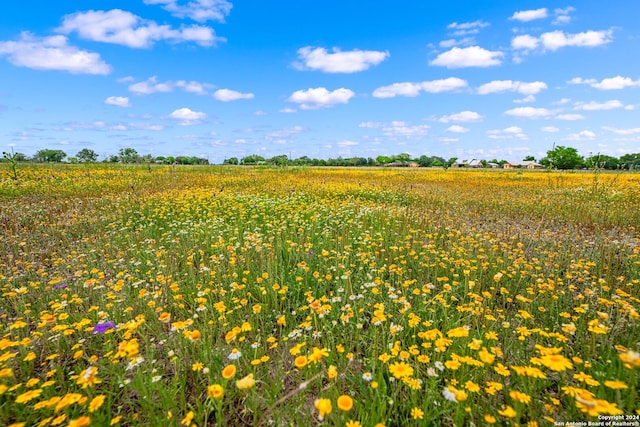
(177, 295)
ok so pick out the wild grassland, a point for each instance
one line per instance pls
(239, 296)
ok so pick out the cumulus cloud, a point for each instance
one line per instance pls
(558, 39)
(529, 112)
(226, 95)
(584, 135)
(462, 117)
(52, 53)
(338, 61)
(412, 89)
(530, 15)
(473, 56)
(320, 97)
(555, 40)
(524, 88)
(124, 28)
(118, 101)
(198, 10)
(612, 83)
(457, 129)
(525, 42)
(598, 106)
(187, 116)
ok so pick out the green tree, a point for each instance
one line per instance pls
(565, 158)
(529, 159)
(630, 161)
(87, 155)
(47, 155)
(383, 160)
(128, 155)
(601, 161)
(252, 160)
(231, 161)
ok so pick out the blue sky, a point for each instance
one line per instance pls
(220, 79)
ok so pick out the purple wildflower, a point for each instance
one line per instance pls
(61, 286)
(103, 327)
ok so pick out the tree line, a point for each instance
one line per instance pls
(559, 157)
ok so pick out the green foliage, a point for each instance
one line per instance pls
(128, 155)
(601, 161)
(565, 158)
(630, 161)
(87, 155)
(49, 156)
(231, 161)
(13, 163)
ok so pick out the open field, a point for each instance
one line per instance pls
(249, 296)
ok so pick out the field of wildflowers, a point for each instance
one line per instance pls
(263, 296)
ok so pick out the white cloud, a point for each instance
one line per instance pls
(562, 15)
(443, 85)
(397, 128)
(121, 27)
(347, 143)
(198, 10)
(226, 95)
(612, 83)
(465, 28)
(187, 117)
(555, 40)
(497, 86)
(529, 112)
(412, 89)
(453, 42)
(457, 129)
(52, 53)
(622, 131)
(530, 15)
(473, 56)
(550, 129)
(597, 106)
(320, 97)
(194, 87)
(449, 139)
(147, 126)
(570, 117)
(558, 39)
(118, 101)
(512, 132)
(150, 86)
(584, 135)
(398, 89)
(288, 110)
(282, 135)
(526, 99)
(338, 61)
(462, 117)
(525, 42)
